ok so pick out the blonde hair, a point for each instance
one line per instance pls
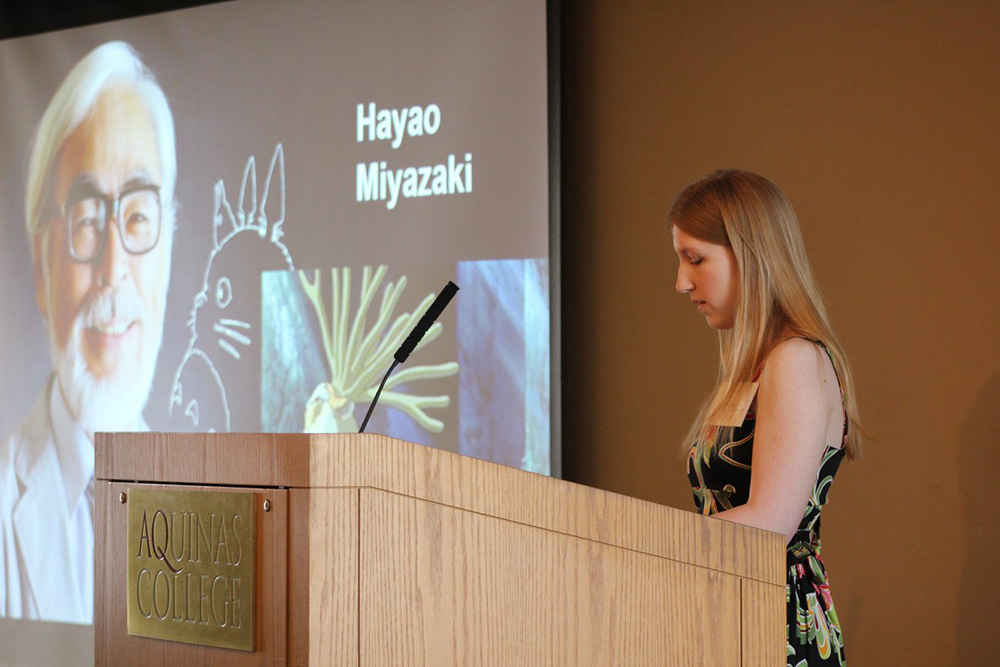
(777, 292)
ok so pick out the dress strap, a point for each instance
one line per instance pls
(840, 385)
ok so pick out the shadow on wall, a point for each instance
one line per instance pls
(979, 472)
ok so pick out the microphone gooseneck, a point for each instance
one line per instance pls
(411, 341)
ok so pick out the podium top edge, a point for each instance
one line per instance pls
(381, 463)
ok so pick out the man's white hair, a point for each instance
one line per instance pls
(110, 63)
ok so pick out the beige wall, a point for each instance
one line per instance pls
(880, 121)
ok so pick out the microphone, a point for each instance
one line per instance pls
(413, 340)
(426, 321)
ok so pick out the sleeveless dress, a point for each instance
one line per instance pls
(723, 482)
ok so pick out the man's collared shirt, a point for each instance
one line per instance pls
(76, 462)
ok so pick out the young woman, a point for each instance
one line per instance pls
(771, 435)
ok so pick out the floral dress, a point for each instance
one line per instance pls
(723, 482)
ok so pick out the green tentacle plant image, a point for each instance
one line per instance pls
(357, 356)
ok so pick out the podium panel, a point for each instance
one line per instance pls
(326, 629)
(374, 551)
(442, 586)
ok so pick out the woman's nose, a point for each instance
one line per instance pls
(684, 284)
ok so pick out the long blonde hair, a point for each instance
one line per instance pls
(777, 291)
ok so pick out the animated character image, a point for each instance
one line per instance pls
(224, 347)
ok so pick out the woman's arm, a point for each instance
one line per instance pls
(793, 413)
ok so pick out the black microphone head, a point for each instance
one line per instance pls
(435, 309)
(442, 300)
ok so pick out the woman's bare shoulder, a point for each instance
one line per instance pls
(799, 375)
(798, 358)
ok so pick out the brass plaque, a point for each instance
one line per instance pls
(191, 567)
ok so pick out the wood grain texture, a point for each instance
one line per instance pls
(333, 577)
(442, 586)
(114, 646)
(243, 459)
(386, 552)
(380, 462)
(299, 573)
(763, 639)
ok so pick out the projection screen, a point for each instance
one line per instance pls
(335, 165)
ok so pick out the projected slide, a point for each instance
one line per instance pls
(227, 219)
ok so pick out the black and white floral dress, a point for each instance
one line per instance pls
(723, 482)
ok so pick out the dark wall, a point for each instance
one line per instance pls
(19, 18)
(879, 120)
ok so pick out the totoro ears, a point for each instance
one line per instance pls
(250, 214)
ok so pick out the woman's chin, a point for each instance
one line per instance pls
(719, 324)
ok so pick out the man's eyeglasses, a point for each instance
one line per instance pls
(137, 213)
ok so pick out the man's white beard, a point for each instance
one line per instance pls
(115, 403)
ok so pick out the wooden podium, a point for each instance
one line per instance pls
(375, 551)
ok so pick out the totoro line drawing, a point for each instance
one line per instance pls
(223, 351)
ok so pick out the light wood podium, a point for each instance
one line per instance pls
(376, 551)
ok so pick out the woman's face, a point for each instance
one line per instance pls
(709, 275)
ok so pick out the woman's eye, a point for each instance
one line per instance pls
(696, 261)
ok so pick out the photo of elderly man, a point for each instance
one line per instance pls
(100, 221)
